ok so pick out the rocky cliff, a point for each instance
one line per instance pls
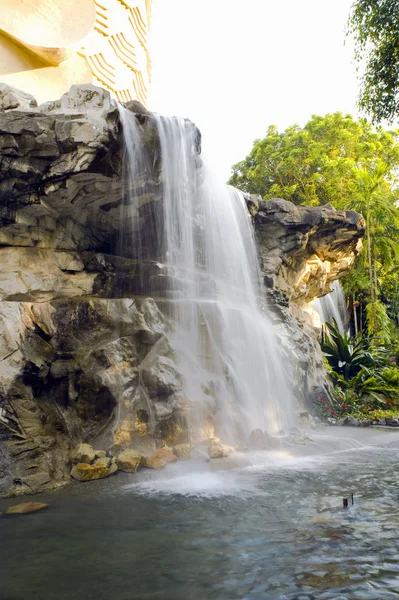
(84, 353)
(302, 250)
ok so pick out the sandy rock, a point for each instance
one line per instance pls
(113, 468)
(25, 508)
(103, 461)
(218, 450)
(160, 458)
(116, 449)
(83, 453)
(129, 461)
(86, 472)
(182, 451)
(100, 453)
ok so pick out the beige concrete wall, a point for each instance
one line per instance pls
(48, 45)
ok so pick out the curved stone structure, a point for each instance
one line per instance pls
(47, 45)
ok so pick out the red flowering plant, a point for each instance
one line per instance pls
(341, 403)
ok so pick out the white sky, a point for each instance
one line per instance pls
(234, 67)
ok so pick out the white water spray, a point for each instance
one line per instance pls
(225, 346)
(332, 307)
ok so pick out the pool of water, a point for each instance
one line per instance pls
(260, 526)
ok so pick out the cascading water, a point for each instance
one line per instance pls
(225, 347)
(332, 307)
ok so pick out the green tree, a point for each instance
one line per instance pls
(374, 25)
(316, 164)
(376, 200)
(349, 164)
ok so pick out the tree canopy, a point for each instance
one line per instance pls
(374, 25)
(345, 162)
(316, 164)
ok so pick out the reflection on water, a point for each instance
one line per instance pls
(262, 527)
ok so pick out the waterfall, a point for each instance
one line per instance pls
(332, 307)
(225, 347)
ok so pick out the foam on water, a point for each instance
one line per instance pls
(200, 484)
(244, 474)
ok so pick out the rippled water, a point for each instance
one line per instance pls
(260, 527)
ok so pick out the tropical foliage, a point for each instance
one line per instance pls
(348, 356)
(319, 163)
(365, 379)
(374, 25)
(347, 163)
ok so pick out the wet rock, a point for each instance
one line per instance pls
(86, 472)
(304, 417)
(116, 449)
(35, 464)
(160, 458)
(129, 461)
(25, 508)
(259, 440)
(100, 453)
(113, 468)
(348, 421)
(161, 377)
(103, 461)
(299, 440)
(382, 422)
(83, 453)
(182, 451)
(218, 450)
(392, 422)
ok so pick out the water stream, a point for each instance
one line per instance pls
(225, 346)
(267, 526)
(332, 307)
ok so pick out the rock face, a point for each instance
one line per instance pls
(81, 341)
(302, 250)
(84, 352)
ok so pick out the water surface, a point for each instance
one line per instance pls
(260, 527)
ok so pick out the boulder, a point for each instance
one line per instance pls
(182, 451)
(349, 421)
(83, 453)
(86, 472)
(259, 440)
(103, 461)
(392, 422)
(129, 461)
(217, 450)
(100, 453)
(25, 507)
(160, 458)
